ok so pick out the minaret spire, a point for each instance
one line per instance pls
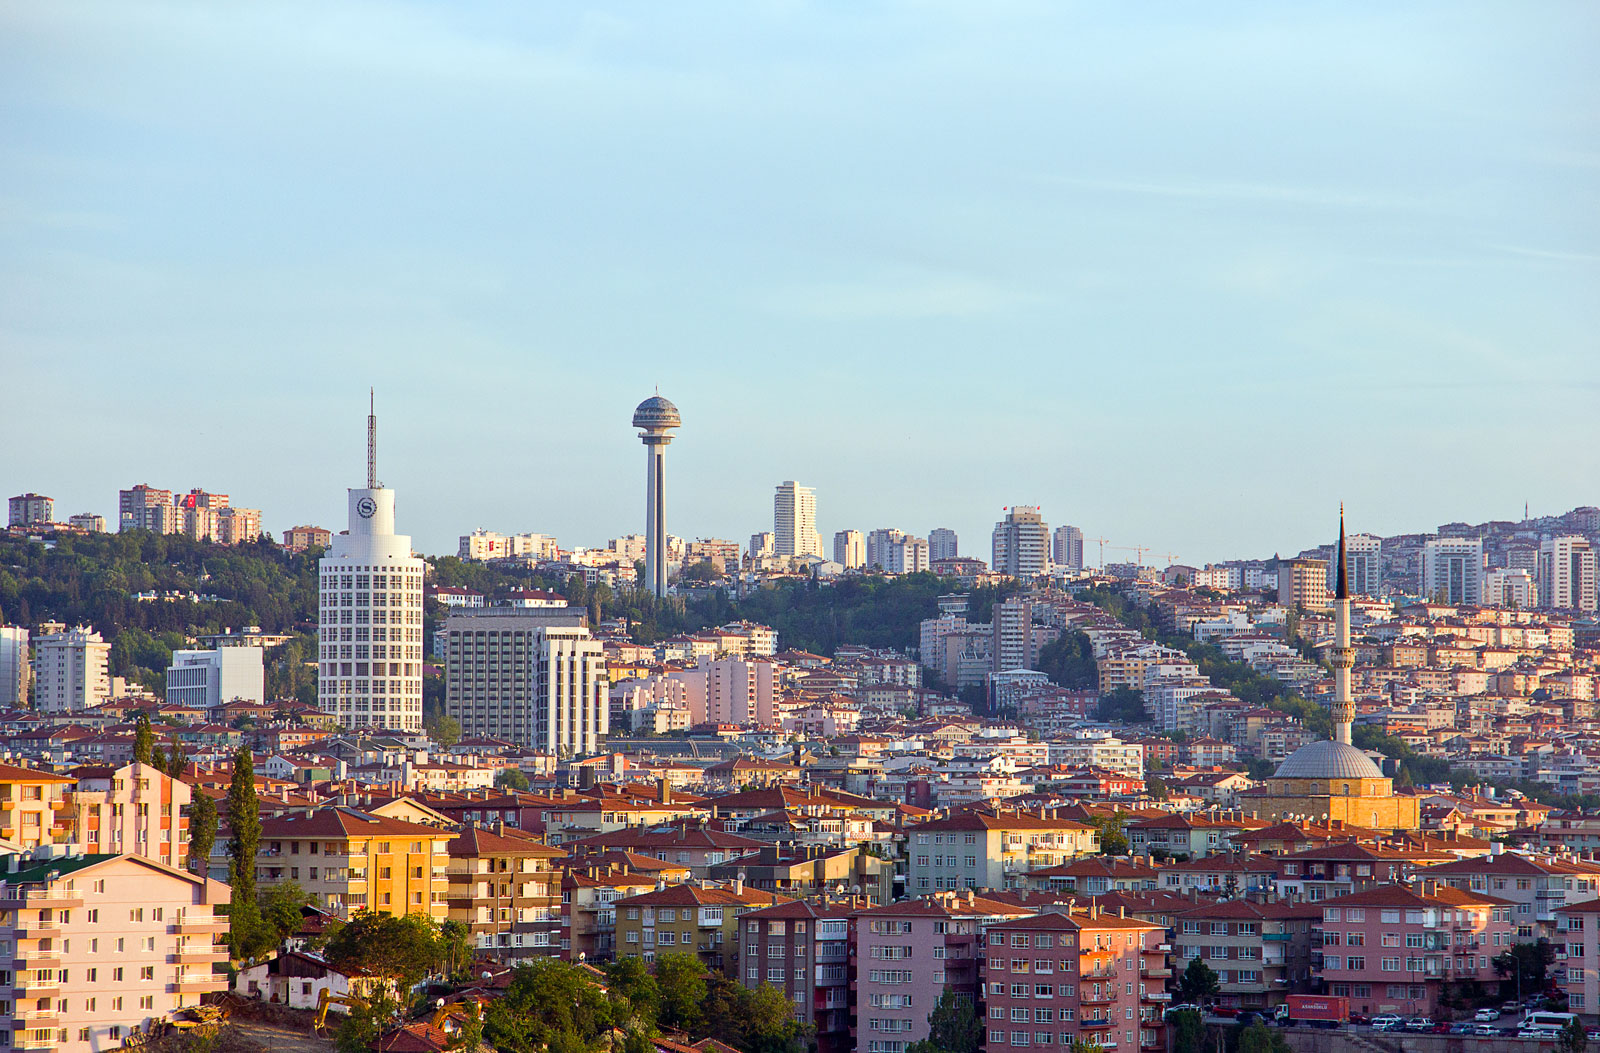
(372, 440)
(1342, 656)
(1341, 590)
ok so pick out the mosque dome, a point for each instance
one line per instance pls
(1328, 759)
(656, 412)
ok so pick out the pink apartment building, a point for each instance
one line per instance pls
(1578, 955)
(1391, 949)
(1074, 975)
(101, 946)
(907, 954)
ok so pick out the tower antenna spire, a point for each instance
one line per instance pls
(372, 440)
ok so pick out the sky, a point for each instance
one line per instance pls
(1184, 275)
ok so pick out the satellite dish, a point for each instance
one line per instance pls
(487, 975)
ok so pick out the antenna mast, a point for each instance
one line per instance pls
(372, 441)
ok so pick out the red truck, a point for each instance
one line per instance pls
(1315, 1011)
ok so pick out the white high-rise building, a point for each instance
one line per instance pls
(203, 679)
(794, 521)
(943, 543)
(70, 671)
(1567, 574)
(1363, 560)
(370, 626)
(1066, 549)
(13, 666)
(1021, 544)
(1452, 570)
(850, 549)
(896, 552)
(529, 675)
(1510, 588)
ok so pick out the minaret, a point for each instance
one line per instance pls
(655, 418)
(1342, 658)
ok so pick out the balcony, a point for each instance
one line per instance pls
(30, 930)
(37, 1017)
(1277, 937)
(194, 955)
(39, 897)
(1157, 996)
(26, 959)
(1084, 1025)
(26, 985)
(197, 925)
(1096, 999)
(198, 981)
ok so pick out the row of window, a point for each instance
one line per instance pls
(1048, 1038)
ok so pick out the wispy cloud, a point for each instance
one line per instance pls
(1554, 255)
(898, 296)
(1261, 193)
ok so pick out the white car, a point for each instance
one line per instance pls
(1486, 1016)
(1385, 1022)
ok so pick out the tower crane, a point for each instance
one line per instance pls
(1102, 541)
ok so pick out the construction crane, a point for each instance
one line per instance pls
(1170, 557)
(1102, 541)
(1138, 550)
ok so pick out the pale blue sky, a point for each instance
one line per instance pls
(1184, 274)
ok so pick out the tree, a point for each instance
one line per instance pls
(455, 949)
(953, 1027)
(176, 761)
(629, 979)
(1259, 1038)
(1113, 833)
(446, 731)
(1125, 704)
(511, 779)
(244, 819)
(1157, 788)
(143, 740)
(401, 949)
(1526, 964)
(158, 759)
(280, 907)
(202, 830)
(756, 1020)
(549, 1005)
(1573, 1038)
(1188, 1031)
(367, 1021)
(681, 984)
(1199, 983)
(470, 1036)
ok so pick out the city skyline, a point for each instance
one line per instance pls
(1389, 245)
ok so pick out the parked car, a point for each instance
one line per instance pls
(1182, 1007)
(1486, 1015)
(1419, 1023)
(1593, 1034)
(1386, 1022)
(1224, 1010)
(1485, 1031)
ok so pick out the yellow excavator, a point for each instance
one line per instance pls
(326, 998)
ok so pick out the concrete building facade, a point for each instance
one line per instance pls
(204, 679)
(70, 671)
(1021, 544)
(794, 521)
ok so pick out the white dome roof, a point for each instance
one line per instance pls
(1328, 760)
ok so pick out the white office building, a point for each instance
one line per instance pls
(203, 679)
(850, 549)
(1452, 570)
(13, 666)
(1510, 588)
(943, 543)
(1363, 564)
(70, 671)
(529, 675)
(1021, 544)
(370, 627)
(1567, 574)
(794, 521)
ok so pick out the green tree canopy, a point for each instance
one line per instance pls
(244, 819)
(629, 979)
(511, 779)
(202, 831)
(953, 1027)
(681, 982)
(1199, 982)
(401, 948)
(143, 740)
(550, 1005)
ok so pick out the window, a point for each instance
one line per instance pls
(148, 972)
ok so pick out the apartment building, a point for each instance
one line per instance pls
(1394, 948)
(70, 670)
(589, 896)
(1537, 888)
(850, 549)
(301, 538)
(908, 954)
(33, 806)
(1067, 548)
(135, 808)
(943, 543)
(987, 850)
(803, 949)
(15, 669)
(1303, 584)
(1567, 574)
(505, 888)
(794, 521)
(1261, 952)
(100, 947)
(529, 675)
(689, 918)
(1577, 945)
(31, 509)
(1067, 976)
(145, 508)
(351, 861)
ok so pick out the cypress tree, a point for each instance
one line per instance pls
(144, 740)
(202, 831)
(244, 819)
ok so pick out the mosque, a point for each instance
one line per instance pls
(1332, 779)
